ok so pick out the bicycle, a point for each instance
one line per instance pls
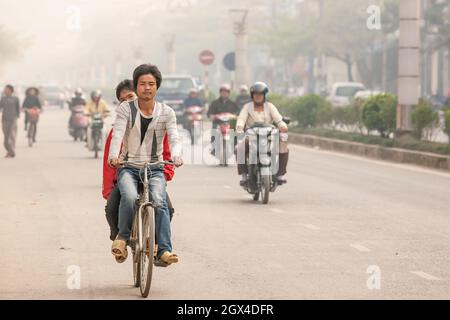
(142, 241)
(33, 118)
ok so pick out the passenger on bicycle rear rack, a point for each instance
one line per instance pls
(141, 125)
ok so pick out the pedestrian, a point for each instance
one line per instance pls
(10, 107)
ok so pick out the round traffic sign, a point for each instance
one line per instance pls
(206, 57)
(229, 61)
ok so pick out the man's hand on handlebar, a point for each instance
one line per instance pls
(177, 161)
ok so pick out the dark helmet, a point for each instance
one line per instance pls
(96, 94)
(259, 87)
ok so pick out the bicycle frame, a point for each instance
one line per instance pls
(140, 235)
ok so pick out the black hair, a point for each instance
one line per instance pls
(144, 69)
(10, 87)
(124, 85)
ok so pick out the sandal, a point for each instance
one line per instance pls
(168, 258)
(121, 259)
(119, 249)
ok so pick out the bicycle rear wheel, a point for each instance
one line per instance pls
(148, 243)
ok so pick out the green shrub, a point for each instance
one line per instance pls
(424, 119)
(379, 113)
(308, 110)
(447, 123)
(406, 142)
(281, 102)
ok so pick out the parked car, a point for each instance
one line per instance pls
(342, 92)
(365, 94)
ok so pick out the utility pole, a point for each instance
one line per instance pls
(171, 53)
(409, 64)
(240, 31)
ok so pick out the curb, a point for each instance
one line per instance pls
(424, 159)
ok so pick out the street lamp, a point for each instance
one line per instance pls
(239, 17)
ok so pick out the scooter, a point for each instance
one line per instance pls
(95, 133)
(78, 123)
(225, 146)
(193, 120)
(262, 160)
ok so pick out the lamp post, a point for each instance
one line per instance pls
(409, 64)
(239, 17)
(171, 53)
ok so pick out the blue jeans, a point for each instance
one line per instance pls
(128, 182)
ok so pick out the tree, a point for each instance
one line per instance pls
(9, 46)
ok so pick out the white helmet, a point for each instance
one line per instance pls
(225, 87)
(243, 88)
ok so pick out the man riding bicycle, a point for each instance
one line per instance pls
(143, 143)
(110, 190)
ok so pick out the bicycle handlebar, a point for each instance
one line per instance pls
(139, 165)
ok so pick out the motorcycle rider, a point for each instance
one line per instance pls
(76, 100)
(193, 99)
(110, 191)
(143, 142)
(97, 104)
(261, 111)
(221, 105)
(243, 97)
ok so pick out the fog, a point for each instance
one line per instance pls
(294, 45)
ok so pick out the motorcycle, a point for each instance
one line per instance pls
(225, 146)
(263, 158)
(95, 133)
(78, 123)
(33, 118)
(193, 120)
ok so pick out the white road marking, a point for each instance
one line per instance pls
(276, 210)
(227, 187)
(425, 275)
(410, 167)
(360, 247)
(310, 226)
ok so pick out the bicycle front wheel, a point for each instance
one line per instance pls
(135, 249)
(31, 133)
(148, 244)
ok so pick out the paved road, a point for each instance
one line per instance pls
(341, 226)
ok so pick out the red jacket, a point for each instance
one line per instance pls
(110, 174)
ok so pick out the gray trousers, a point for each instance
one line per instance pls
(10, 134)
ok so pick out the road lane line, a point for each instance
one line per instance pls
(410, 167)
(227, 187)
(360, 247)
(276, 210)
(311, 227)
(425, 275)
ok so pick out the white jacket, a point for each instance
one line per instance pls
(164, 120)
